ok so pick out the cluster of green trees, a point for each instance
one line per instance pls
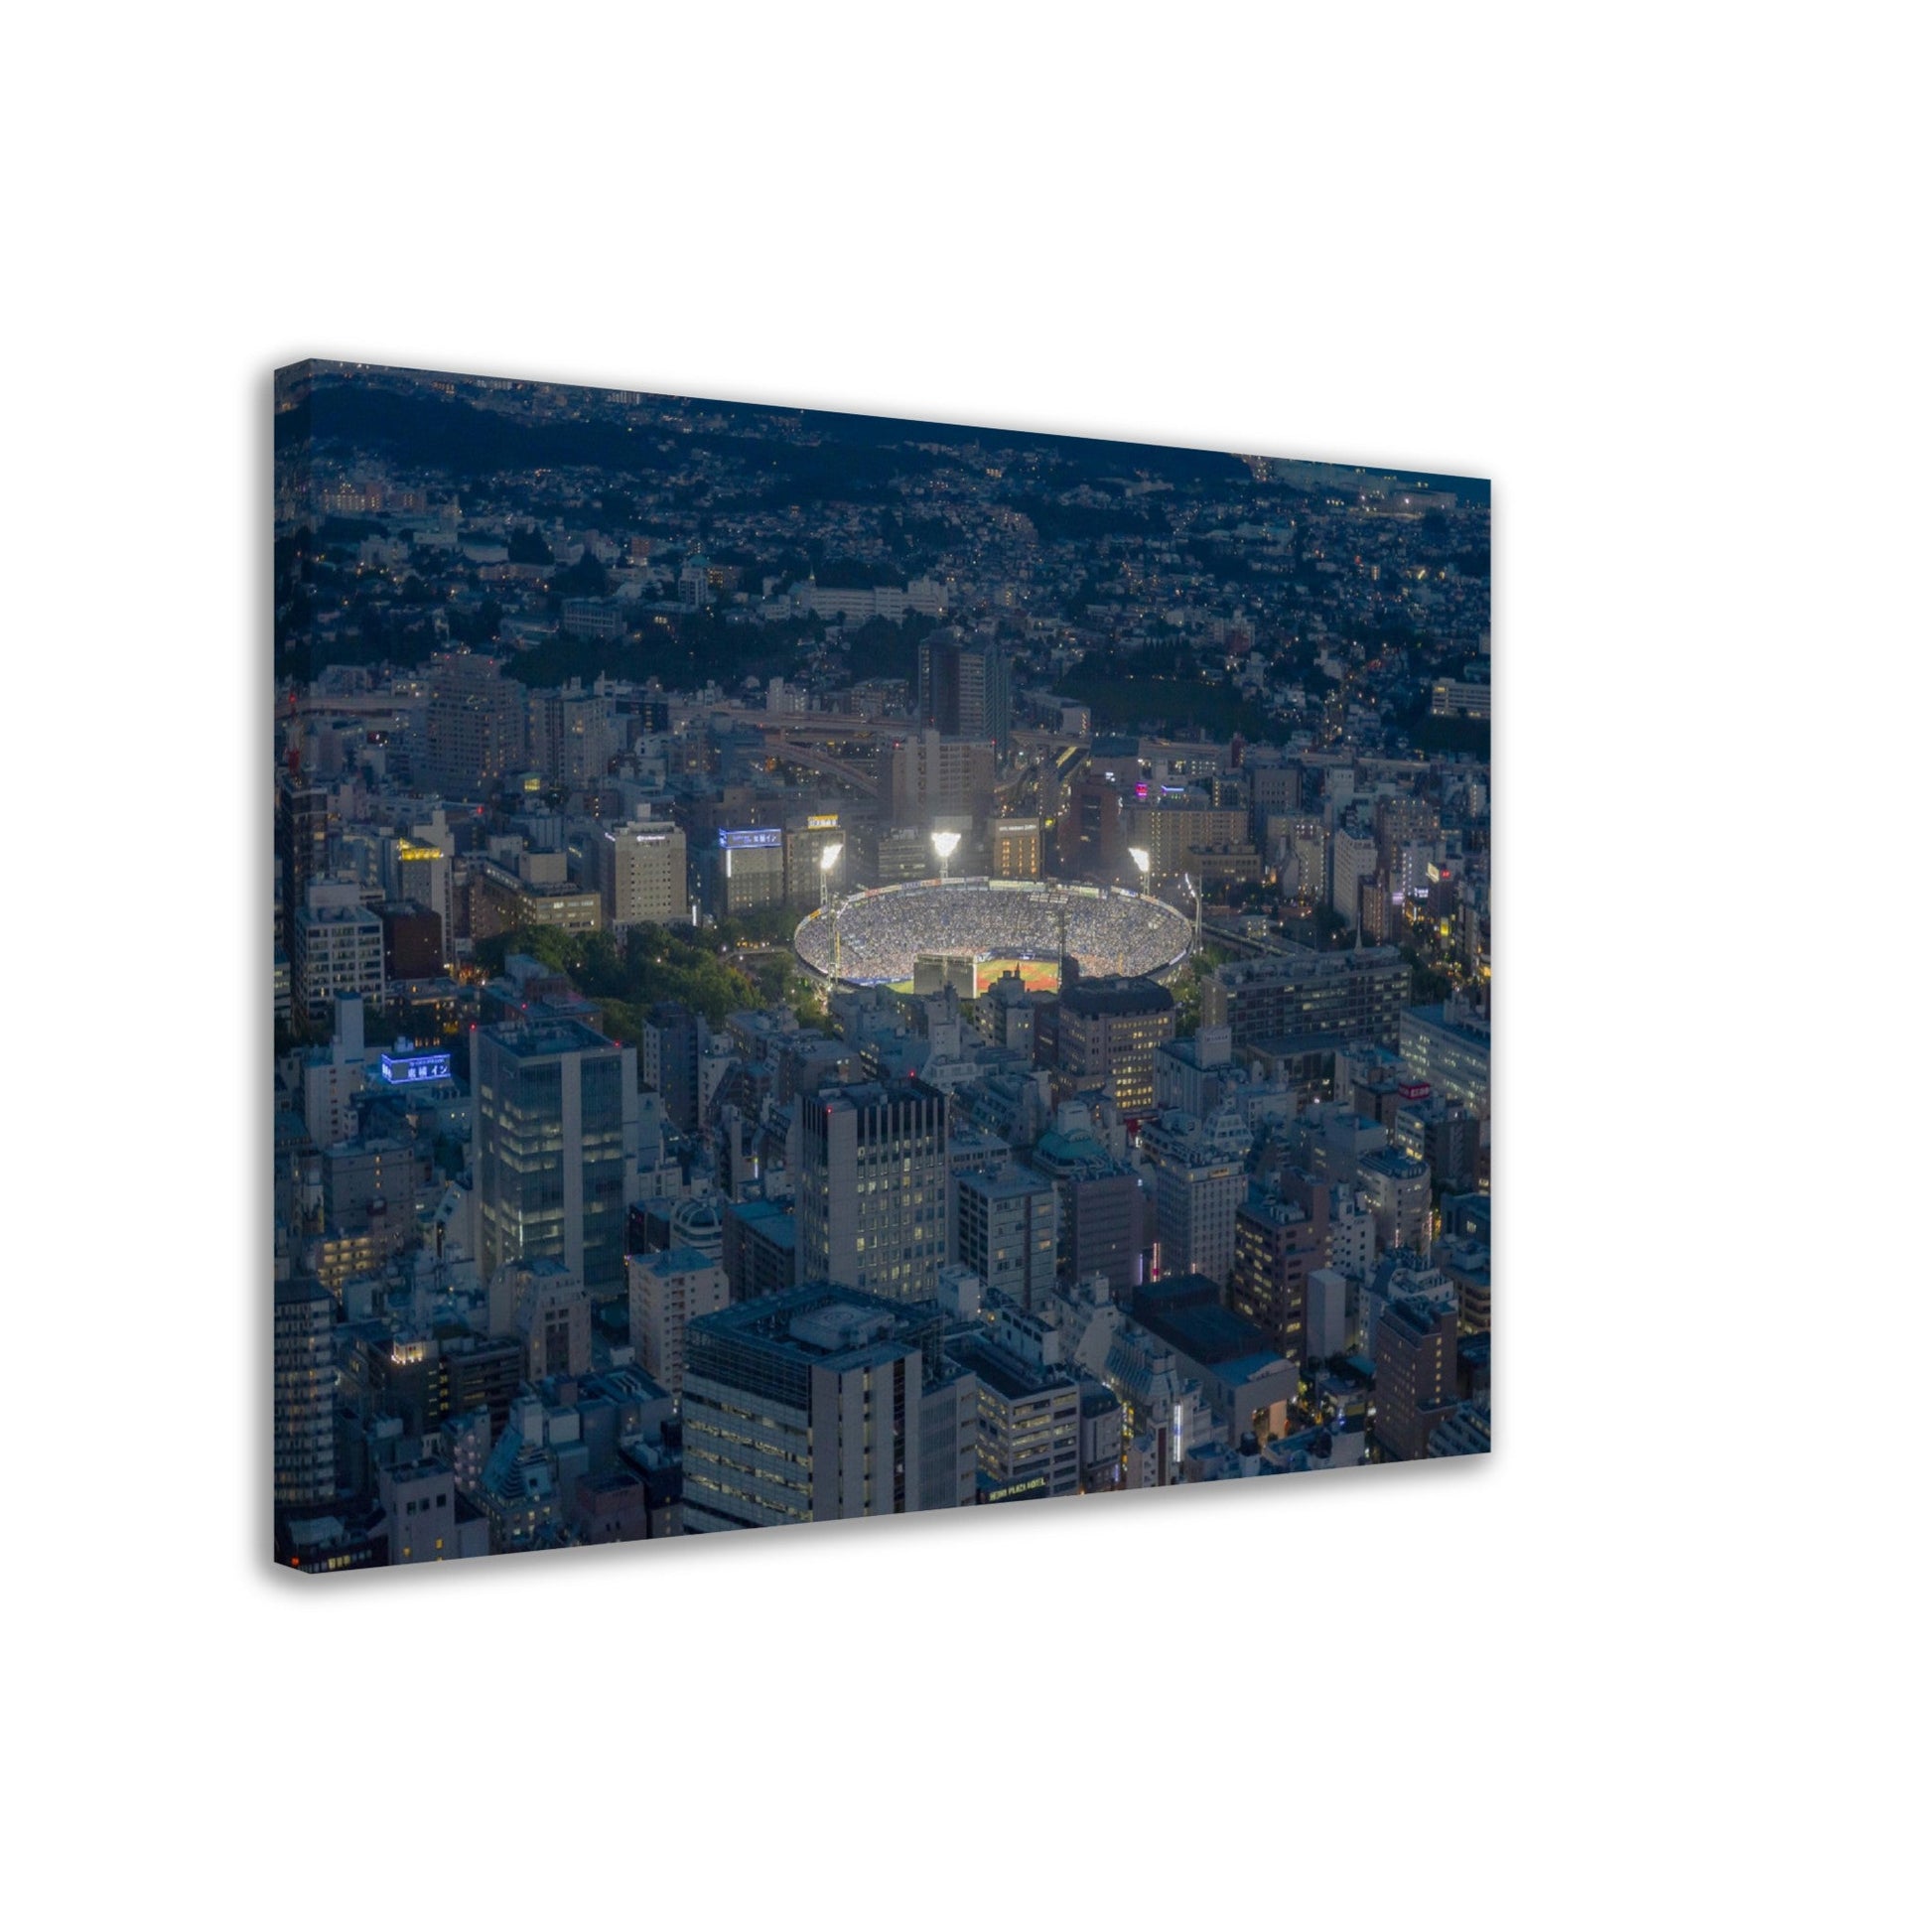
(1124, 690)
(671, 962)
(1429, 982)
(1437, 735)
(881, 648)
(1187, 984)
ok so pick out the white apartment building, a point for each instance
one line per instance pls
(335, 946)
(667, 1292)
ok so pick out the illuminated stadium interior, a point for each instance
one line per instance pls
(883, 933)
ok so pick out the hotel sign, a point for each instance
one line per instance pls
(411, 1069)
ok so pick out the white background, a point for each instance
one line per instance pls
(1653, 270)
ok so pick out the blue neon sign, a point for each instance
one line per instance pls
(410, 1069)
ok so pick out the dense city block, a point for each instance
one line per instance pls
(829, 967)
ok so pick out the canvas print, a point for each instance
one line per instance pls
(829, 967)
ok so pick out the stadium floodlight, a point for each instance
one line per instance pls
(1140, 856)
(946, 844)
(826, 861)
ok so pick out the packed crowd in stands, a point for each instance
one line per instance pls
(882, 934)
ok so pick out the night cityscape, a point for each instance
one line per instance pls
(827, 966)
(923, 939)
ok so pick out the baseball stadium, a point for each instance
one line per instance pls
(971, 930)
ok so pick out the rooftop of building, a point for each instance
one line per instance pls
(1115, 997)
(1071, 1147)
(1395, 1164)
(1005, 1373)
(1262, 1205)
(337, 915)
(865, 1096)
(823, 1322)
(774, 1220)
(1204, 1331)
(1294, 959)
(1008, 1184)
(1412, 1317)
(540, 1038)
(1459, 1025)
(675, 1261)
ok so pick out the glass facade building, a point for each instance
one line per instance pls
(555, 1146)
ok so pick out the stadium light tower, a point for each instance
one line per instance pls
(1140, 856)
(826, 861)
(946, 844)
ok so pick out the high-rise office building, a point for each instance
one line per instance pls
(642, 872)
(1308, 850)
(1351, 859)
(1415, 1375)
(1029, 1420)
(759, 1249)
(476, 724)
(965, 689)
(1173, 835)
(1102, 1208)
(1110, 1030)
(1005, 1228)
(1201, 1178)
(887, 855)
(552, 1319)
(416, 871)
(1403, 827)
(305, 827)
(554, 1145)
(670, 1047)
(927, 775)
(1301, 993)
(872, 1187)
(821, 1402)
(305, 1394)
(1277, 1247)
(747, 870)
(1092, 836)
(415, 943)
(574, 734)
